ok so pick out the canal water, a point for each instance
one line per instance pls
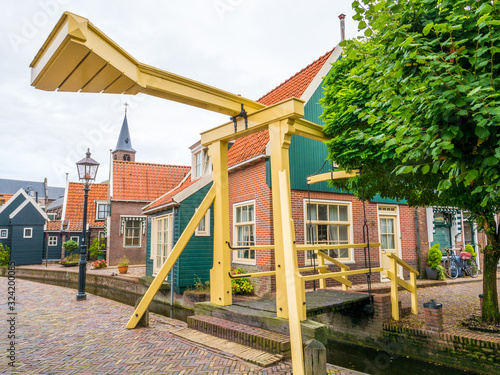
(379, 362)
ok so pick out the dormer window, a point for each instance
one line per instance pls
(201, 163)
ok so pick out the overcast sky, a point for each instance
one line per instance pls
(247, 47)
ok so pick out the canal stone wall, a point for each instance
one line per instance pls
(467, 351)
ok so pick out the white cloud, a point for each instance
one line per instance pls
(247, 47)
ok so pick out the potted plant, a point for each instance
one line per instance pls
(123, 264)
(470, 249)
(99, 264)
(97, 249)
(434, 257)
(72, 259)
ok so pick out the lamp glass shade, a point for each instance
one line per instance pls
(87, 168)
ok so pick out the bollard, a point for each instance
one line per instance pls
(433, 313)
(314, 358)
(144, 322)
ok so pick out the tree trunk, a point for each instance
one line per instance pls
(491, 253)
(491, 313)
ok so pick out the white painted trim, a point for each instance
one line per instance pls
(255, 158)
(13, 198)
(65, 203)
(351, 258)
(168, 192)
(29, 200)
(398, 235)
(31, 232)
(309, 91)
(429, 213)
(48, 240)
(206, 233)
(141, 231)
(235, 205)
(193, 188)
(153, 249)
(77, 239)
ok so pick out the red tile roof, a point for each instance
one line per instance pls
(253, 145)
(4, 198)
(297, 84)
(74, 205)
(168, 197)
(144, 181)
(54, 225)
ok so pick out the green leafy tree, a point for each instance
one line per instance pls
(415, 103)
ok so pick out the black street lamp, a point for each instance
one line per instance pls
(87, 171)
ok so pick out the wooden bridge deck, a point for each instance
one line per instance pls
(317, 302)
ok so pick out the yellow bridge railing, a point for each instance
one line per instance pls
(397, 281)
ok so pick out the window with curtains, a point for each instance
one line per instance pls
(132, 230)
(244, 230)
(328, 223)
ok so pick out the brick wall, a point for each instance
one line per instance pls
(136, 255)
(250, 184)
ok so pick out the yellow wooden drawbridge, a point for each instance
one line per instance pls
(77, 56)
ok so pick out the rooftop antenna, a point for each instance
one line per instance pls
(342, 27)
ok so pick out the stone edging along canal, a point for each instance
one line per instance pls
(126, 290)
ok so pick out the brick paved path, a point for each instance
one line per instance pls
(57, 335)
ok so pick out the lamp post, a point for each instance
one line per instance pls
(87, 171)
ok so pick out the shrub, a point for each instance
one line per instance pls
(199, 286)
(71, 246)
(441, 272)
(96, 248)
(240, 286)
(4, 255)
(470, 249)
(434, 256)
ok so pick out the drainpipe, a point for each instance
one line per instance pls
(419, 255)
(342, 27)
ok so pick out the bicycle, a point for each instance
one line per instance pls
(466, 264)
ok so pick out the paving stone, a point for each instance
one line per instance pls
(55, 334)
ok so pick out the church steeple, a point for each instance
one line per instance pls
(124, 150)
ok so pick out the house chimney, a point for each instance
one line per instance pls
(342, 27)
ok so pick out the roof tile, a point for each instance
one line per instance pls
(145, 181)
(168, 197)
(74, 205)
(252, 145)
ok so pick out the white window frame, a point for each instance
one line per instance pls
(30, 235)
(236, 254)
(101, 203)
(100, 234)
(6, 235)
(75, 238)
(201, 164)
(125, 234)
(200, 232)
(390, 210)
(350, 233)
(50, 241)
(154, 239)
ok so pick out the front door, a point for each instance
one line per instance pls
(162, 241)
(388, 237)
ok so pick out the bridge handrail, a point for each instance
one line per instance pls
(402, 263)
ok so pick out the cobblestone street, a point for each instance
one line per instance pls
(55, 334)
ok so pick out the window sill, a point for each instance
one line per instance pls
(245, 262)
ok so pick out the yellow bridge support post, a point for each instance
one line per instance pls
(172, 258)
(295, 291)
(220, 282)
(280, 134)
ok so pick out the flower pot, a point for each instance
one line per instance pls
(122, 269)
(432, 273)
(70, 264)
